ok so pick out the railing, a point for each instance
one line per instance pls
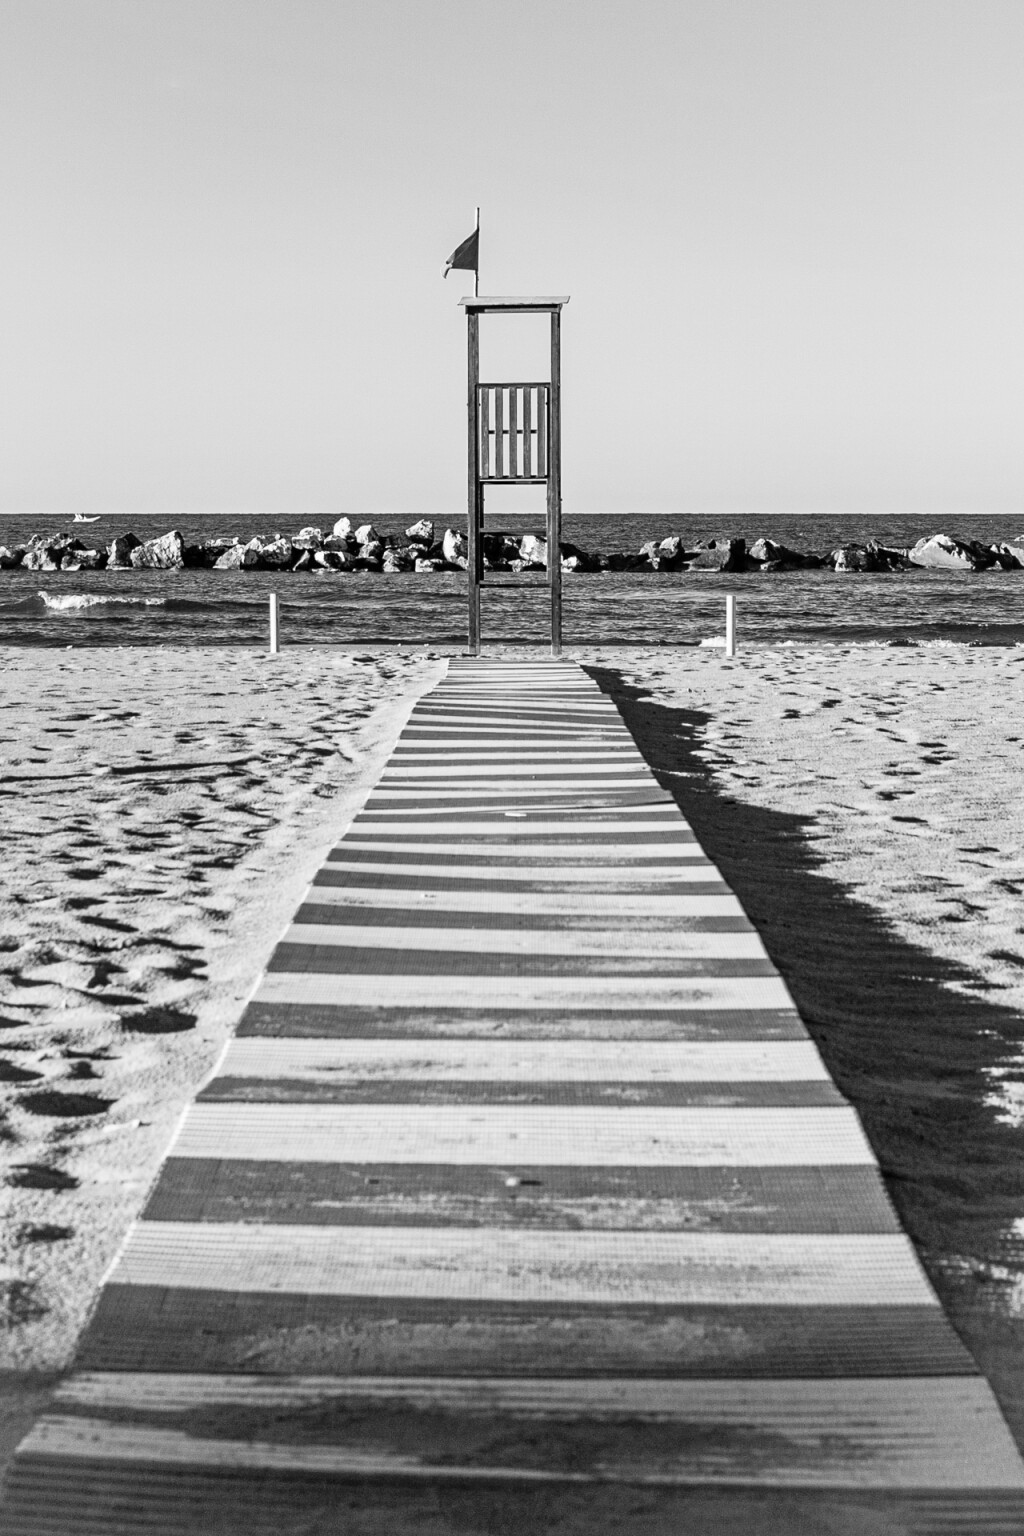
(512, 431)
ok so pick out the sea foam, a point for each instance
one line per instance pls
(77, 602)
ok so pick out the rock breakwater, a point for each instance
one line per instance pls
(423, 549)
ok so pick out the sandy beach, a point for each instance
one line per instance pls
(164, 810)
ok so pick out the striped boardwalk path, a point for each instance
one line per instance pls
(521, 1201)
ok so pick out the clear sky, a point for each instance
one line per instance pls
(792, 232)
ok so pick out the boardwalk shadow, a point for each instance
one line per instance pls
(908, 1052)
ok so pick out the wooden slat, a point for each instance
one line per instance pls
(500, 1134)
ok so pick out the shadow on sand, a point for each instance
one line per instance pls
(908, 1052)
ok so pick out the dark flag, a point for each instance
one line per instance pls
(465, 256)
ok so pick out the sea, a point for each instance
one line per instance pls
(195, 608)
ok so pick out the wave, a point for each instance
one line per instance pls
(77, 602)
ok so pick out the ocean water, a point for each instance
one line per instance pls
(142, 608)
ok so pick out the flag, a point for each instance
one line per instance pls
(465, 256)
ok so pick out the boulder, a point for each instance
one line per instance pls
(308, 538)
(333, 559)
(304, 562)
(397, 560)
(943, 553)
(887, 557)
(1010, 557)
(366, 534)
(621, 562)
(372, 550)
(342, 528)
(88, 560)
(777, 557)
(421, 532)
(341, 545)
(364, 562)
(500, 547)
(10, 558)
(453, 547)
(211, 550)
(575, 559)
(717, 555)
(43, 558)
(533, 549)
(166, 553)
(271, 554)
(427, 567)
(119, 549)
(232, 558)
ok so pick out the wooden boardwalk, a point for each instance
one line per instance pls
(521, 1201)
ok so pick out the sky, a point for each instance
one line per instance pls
(792, 233)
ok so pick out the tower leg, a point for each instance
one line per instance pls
(555, 487)
(475, 491)
(474, 568)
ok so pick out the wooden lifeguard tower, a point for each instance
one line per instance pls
(515, 438)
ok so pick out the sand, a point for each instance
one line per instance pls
(163, 811)
(866, 804)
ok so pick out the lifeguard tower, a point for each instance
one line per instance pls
(515, 438)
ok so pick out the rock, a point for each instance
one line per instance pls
(89, 560)
(575, 559)
(45, 558)
(231, 559)
(421, 532)
(304, 562)
(120, 548)
(621, 562)
(1010, 557)
(211, 550)
(363, 562)
(342, 528)
(367, 534)
(336, 542)
(777, 557)
(850, 557)
(427, 567)
(453, 547)
(333, 559)
(271, 554)
(166, 553)
(308, 538)
(888, 558)
(500, 547)
(943, 553)
(533, 549)
(372, 550)
(397, 560)
(717, 555)
(10, 559)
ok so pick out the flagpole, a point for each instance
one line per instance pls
(476, 272)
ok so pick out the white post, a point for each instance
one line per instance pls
(730, 625)
(274, 645)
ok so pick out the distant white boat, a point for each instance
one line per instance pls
(80, 517)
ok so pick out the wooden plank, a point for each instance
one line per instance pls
(505, 1265)
(587, 1137)
(938, 1432)
(895, 1431)
(608, 942)
(801, 1198)
(527, 1061)
(611, 994)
